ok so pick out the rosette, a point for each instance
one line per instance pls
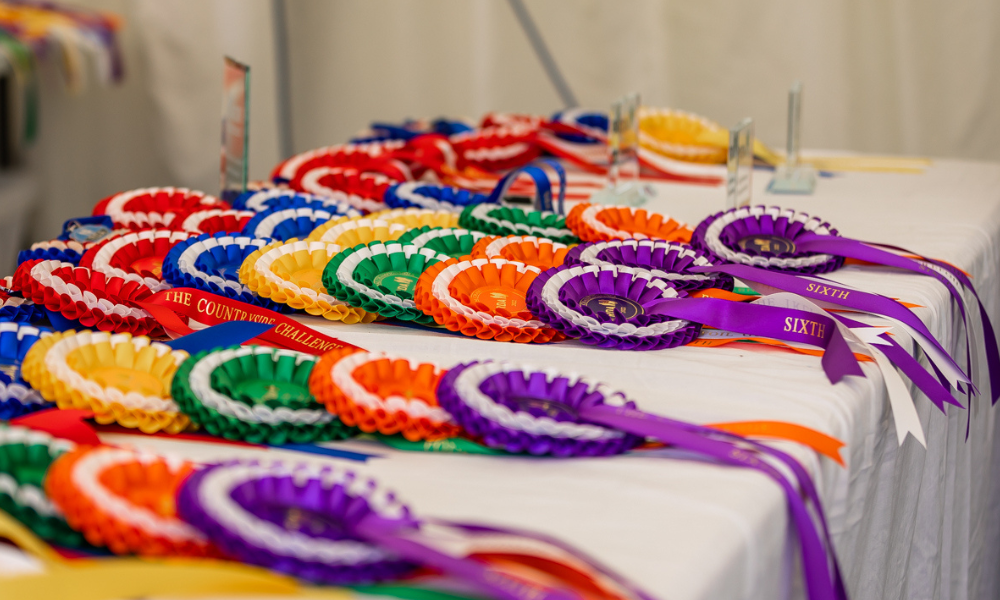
(348, 233)
(539, 412)
(14, 307)
(255, 394)
(291, 273)
(498, 148)
(298, 520)
(380, 393)
(286, 223)
(363, 190)
(338, 204)
(211, 262)
(380, 277)
(124, 500)
(582, 120)
(215, 220)
(418, 194)
(413, 218)
(25, 457)
(608, 306)
(62, 250)
(600, 223)
(666, 260)
(120, 378)
(16, 396)
(154, 207)
(508, 220)
(135, 257)
(674, 133)
(537, 252)
(765, 237)
(453, 241)
(482, 298)
(92, 298)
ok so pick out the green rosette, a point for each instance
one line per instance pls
(255, 394)
(25, 456)
(379, 277)
(509, 220)
(453, 241)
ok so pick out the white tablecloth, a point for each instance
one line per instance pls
(907, 522)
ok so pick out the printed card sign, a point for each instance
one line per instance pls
(235, 127)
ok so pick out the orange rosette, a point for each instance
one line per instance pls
(376, 392)
(602, 223)
(121, 378)
(675, 134)
(291, 273)
(483, 298)
(537, 252)
(124, 500)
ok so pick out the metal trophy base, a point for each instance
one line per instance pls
(796, 180)
(623, 195)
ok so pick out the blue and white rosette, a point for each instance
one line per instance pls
(418, 194)
(14, 307)
(339, 204)
(16, 396)
(584, 119)
(211, 262)
(62, 250)
(286, 223)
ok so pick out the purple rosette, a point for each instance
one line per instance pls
(671, 261)
(298, 520)
(609, 306)
(766, 237)
(531, 412)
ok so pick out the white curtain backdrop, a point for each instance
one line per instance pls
(882, 76)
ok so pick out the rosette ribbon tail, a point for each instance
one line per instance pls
(786, 324)
(822, 574)
(952, 278)
(497, 584)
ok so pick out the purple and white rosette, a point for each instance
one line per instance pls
(765, 237)
(609, 306)
(526, 411)
(296, 519)
(671, 261)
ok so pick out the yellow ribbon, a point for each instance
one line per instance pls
(128, 577)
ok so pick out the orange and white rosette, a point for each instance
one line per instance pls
(535, 251)
(483, 298)
(291, 273)
(376, 392)
(674, 134)
(124, 500)
(602, 223)
(121, 378)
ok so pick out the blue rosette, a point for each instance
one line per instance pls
(14, 307)
(341, 205)
(211, 263)
(418, 194)
(286, 223)
(583, 119)
(17, 398)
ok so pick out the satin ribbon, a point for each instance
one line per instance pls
(543, 187)
(768, 321)
(169, 306)
(866, 251)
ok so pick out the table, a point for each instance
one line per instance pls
(907, 522)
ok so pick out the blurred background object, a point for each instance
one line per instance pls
(880, 76)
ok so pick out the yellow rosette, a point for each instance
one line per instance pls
(384, 226)
(414, 218)
(291, 273)
(122, 379)
(675, 134)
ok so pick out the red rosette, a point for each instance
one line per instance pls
(81, 294)
(360, 156)
(213, 220)
(483, 298)
(327, 180)
(498, 148)
(154, 207)
(135, 256)
(602, 223)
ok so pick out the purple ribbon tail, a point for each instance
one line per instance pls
(787, 324)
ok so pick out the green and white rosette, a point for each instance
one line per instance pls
(255, 394)
(380, 277)
(453, 241)
(509, 220)
(25, 456)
